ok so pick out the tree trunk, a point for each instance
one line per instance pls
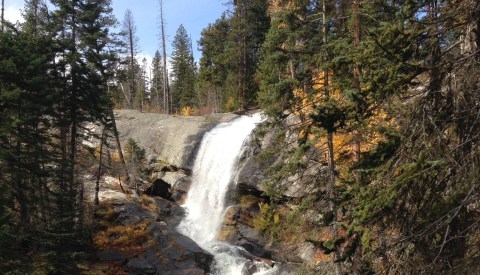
(99, 172)
(331, 163)
(3, 15)
(166, 95)
(357, 136)
(74, 127)
(119, 145)
(132, 67)
(331, 153)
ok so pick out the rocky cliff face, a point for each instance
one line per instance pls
(174, 139)
(239, 225)
(252, 171)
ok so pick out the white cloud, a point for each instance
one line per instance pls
(141, 56)
(13, 14)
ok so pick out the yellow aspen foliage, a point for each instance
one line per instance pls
(116, 157)
(304, 105)
(187, 111)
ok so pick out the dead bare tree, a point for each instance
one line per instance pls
(166, 92)
(3, 14)
(129, 30)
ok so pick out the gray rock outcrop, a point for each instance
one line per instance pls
(175, 139)
(165, 251)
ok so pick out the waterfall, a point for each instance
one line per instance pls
(213, 172)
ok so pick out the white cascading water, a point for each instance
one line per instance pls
(213, 172)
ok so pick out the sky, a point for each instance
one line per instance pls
(195, 15)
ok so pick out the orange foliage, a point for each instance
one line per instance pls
(187, 111)
(128, 239)
(149, 203)
(304, 106)
(282, 5)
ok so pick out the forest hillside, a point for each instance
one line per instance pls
(373, 112)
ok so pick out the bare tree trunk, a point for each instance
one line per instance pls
(166, 93)
(3, 15)
(99, 172)
(357, 136)
(127, 98)
(331, 163)
(132, 67)
(330, 149)
(74, 126)
(129, 29)
(119, 145)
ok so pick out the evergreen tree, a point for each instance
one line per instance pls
(287, 57)
(249, 24)
(156, 81)
(213, 64)
(53, 79)
(25, 105)
(183, 71)
(231, 54)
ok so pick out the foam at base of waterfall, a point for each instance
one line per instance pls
(229, 259)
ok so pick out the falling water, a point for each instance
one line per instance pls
(213, 172)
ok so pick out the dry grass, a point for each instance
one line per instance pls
(131, 239)
(149, 203)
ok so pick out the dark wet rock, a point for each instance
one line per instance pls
(170, 212)
(189, 271)
(140, 265)
(130, 213)
(249, 268)
(111, 255)
(159, 188)
(180, 251)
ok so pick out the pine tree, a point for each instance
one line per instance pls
(183, 71)
(53, 79)
(249, 24)
(156, 81)
(213, 64)
(234, 54)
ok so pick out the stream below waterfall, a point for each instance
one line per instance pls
(214, 171)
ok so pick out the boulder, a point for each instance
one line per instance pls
(180, 182)
(238, 229)
(174, 253)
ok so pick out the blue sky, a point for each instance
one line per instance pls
(195, 15)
